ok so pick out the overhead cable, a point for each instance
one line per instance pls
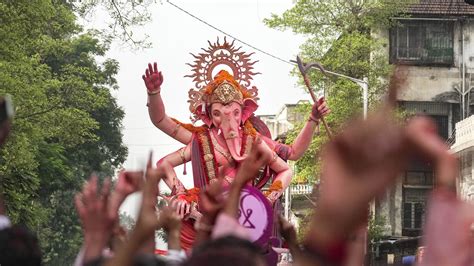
(229, 35)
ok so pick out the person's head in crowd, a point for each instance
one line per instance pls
(18, 246)
(141, 259)
(6, 115)
(231, 251)
(148, 260)
(420, 252)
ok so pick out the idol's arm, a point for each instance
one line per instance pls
(303, 140)
(295, 150)
(156, 109)
(299, 146)
(283, 175)
(167, 165)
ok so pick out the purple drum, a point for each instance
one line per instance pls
(256, 215)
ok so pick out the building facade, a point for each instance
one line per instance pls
(464, 148)
(434, 45)
(283, 120)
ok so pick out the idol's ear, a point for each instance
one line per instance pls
(201, 112)
(248, 108)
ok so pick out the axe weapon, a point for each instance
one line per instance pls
(304, 68)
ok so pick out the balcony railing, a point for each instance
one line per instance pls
(301, 189)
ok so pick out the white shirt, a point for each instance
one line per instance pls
(4, 222)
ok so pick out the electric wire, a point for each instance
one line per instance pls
(229, 35)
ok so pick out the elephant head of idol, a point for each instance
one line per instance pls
(227, 106)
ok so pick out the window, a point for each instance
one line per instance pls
(422, 42)
(413, 215)
(438, 111)
(442, 125)
(414, 204)
(417, 183)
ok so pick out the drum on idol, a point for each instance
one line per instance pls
(255, 215)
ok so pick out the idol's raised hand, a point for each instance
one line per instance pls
(153, 79)
(320, 109)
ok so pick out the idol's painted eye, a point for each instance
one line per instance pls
(216, 113)
(236, 112)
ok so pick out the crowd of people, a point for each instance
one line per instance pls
(359, 164)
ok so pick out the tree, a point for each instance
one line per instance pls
(340, 37)
(122, 18)
(126, 221)
(67, 123)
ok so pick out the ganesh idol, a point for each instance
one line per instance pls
(225, 106)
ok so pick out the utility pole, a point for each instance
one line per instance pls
(363, 83)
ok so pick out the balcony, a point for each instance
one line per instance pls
(301, 189)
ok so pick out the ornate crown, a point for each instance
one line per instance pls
(225, 93)
(224, 87)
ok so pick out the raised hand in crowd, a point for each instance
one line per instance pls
(447, 232)
(142, 236)
(358, 165)
(211, 202)
(288, 232)
(92, 206)
(149, 203)
(128, 182)
(170, 221)
(258, 157)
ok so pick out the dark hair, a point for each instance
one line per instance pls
(148, 260)
(138, 260)
(18, 246)
(231, 251)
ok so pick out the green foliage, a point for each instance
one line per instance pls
(126, 221)
(342, 37)
(376, 228)
(67, 123)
